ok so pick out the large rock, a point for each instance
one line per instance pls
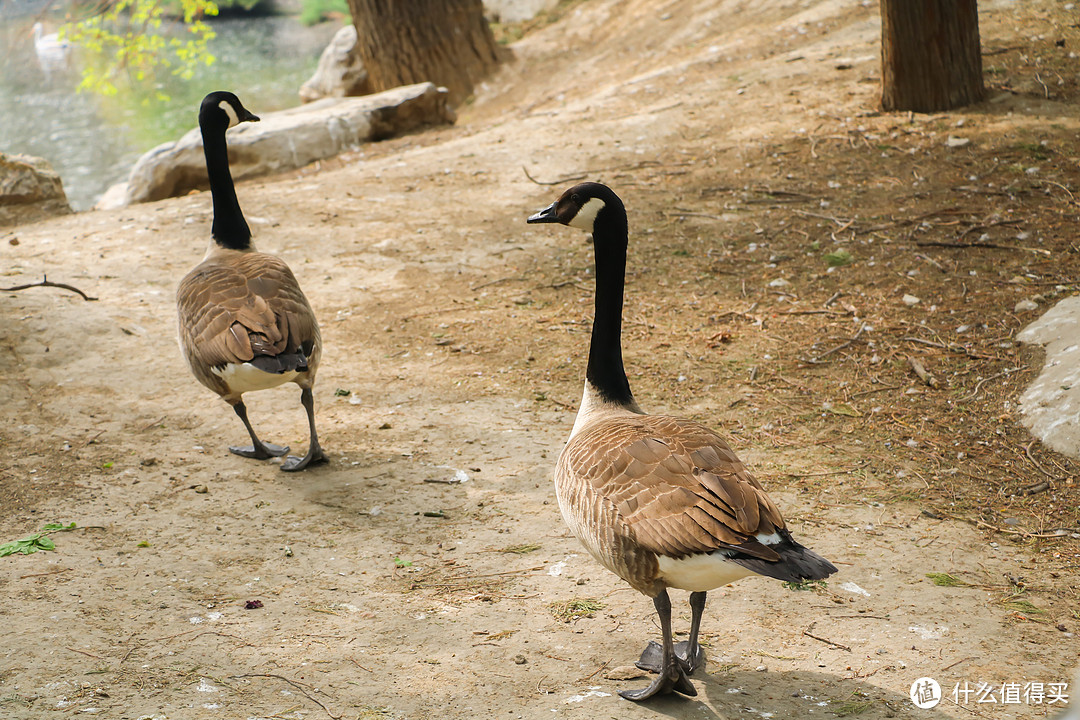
(29, 190)
(289, 139)
(340, 73)
(1051, 404)
(113, 198)
(512, 11)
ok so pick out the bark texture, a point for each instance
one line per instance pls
(930, 55)
(447, 42)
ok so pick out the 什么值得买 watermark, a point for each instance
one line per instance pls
(927, 693)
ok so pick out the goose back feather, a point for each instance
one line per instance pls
(640, 489)
(241, 307)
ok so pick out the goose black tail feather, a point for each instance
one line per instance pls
(295, 361)
(796, 563)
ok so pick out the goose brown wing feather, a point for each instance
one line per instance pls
(677, 486)
(238, 342)
(243, 305)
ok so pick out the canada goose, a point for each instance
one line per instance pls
(244, 322)
(660, 501)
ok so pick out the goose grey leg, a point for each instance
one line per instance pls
(688, 652)
(691, 652)
(672, 677)
(315, 454)
(257, 449)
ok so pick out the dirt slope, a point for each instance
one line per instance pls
(743, 138)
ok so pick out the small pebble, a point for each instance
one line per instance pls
(911, 300)
(625, 672)
(1026, 306)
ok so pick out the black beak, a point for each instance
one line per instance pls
(248, 117)
(547, 215)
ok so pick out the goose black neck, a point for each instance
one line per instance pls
(230, 230)
(605, 371)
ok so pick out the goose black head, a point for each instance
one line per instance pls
(224, 109)
(582, 206)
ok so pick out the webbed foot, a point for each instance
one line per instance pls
(294, 463)
(652, 657)
(672, 679)
(261, 452)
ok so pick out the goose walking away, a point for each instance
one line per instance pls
(660, 501)
(244, 323)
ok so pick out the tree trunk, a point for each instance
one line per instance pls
(930, 55)
(447, 42)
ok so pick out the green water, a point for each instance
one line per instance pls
(93, 141)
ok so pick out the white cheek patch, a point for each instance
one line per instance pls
(586, 216)
(234, 119)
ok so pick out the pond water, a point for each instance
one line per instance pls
(92, 141)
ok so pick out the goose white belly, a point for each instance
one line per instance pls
(245, 377)
(701, 572)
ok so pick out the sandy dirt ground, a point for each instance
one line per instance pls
(425, 572)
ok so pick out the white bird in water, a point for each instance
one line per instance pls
(52, 52)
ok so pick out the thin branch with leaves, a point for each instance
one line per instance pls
(128, 39)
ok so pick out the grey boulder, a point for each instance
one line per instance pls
(289, 139)
(29, 190)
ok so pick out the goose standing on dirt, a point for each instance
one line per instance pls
(244, 322)
(660, 501)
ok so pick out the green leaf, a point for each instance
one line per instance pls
(520, 549)
(838, 258)
(843, 409)
(805, 584)
(9, 548)
(853, 708)
(946, 580)
(402, 563)
(1025, 607)
(27, 546)
(38, 541)
(571, 610)
(58, 527)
